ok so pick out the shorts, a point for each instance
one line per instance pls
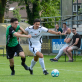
(34, 50)
(11, 51)
(74, 47)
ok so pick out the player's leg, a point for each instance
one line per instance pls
(10, 55)
(41, 61)
(12, 66)
(33, 62)
(37, 55)
(23, 58)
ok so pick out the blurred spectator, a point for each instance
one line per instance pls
(75, 44)
(64, 30)
(58, 28)
(64, 27)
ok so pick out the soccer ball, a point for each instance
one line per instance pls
(55, 73)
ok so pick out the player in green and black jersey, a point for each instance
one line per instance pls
(12, 44)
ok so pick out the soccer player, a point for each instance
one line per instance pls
(12, 44)
(35, 44)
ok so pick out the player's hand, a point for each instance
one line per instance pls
(29, 36)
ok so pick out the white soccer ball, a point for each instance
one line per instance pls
(55, 73)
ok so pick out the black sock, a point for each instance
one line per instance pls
(12, 68)
(23, 60)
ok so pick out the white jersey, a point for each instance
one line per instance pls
(36, 34)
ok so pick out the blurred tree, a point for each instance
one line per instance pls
(2, 9)
(34, 12)
(16, 13)
(49, 9)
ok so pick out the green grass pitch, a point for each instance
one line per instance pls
(69, 71)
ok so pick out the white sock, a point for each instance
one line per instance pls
(41, 61)
(32, 64)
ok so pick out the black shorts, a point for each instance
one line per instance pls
(11, 51)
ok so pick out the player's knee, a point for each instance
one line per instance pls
(41, 56)
(22, 54)
(11, 63)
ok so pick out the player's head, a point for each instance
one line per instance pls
(36, 23)
(74, 30)
(64, 25)
(14, 22)
(68, 31)
(57, 26)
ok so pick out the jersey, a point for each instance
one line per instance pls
(36, 34)
(11, 40)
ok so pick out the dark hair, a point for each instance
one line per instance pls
(13, 19)
(36, 20)
(64, 23)
(74, 28)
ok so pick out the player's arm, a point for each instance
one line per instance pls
(54, 32)
(23, 31)
(20, 35)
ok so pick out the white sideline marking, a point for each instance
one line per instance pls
(2, 63)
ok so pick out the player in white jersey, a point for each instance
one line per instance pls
(35, 44)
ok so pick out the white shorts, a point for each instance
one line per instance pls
(35, 48)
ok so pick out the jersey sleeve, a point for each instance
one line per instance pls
(27, 29)
(11, 32)
(44, 29)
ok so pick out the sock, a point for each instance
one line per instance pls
(41, 61)
(23, 60)
(32, 64)
(12, 68)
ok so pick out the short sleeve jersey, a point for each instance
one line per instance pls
(11, 40)
(70, 36)
(74, 39)
(36, 34)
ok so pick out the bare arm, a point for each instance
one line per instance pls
(23, 31)
(20, 35)
(76, 42)
(67, 40)
(54, 32)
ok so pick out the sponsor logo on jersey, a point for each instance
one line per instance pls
(35, 36)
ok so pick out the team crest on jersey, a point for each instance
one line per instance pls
(31, 32)
(13, 31)
(35, 34)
